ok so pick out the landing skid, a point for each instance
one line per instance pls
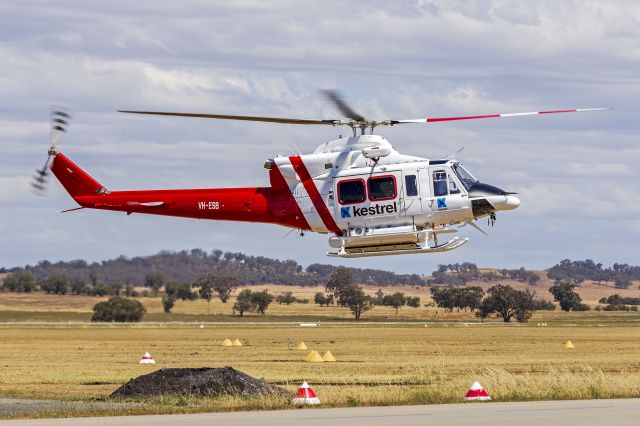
(392, 250)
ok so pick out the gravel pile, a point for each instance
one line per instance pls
(210, 382)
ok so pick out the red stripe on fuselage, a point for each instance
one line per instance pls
(289, 205)
(314, 194)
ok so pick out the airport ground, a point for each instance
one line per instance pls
(51, 352)
(404, 364)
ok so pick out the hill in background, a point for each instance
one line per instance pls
(187, 266)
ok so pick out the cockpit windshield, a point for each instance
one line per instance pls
(463, 174)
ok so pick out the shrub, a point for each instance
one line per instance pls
(581, 307)
(167, 303)
(287, 298)
(118, 309)
(544, 305)
(322, 299)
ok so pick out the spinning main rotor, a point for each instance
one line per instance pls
(355, 121)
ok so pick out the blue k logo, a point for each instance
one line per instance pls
(442, 203)
(344, 212)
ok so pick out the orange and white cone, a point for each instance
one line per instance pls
(477, 393)
(305, 396)
(147, 359)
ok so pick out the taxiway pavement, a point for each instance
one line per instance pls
(619, 412)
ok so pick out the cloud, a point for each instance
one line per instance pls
(405, 59)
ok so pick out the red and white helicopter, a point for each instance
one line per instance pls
(374, 200)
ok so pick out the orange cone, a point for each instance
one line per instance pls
(147, 359)
(477, 393)
(305, 396)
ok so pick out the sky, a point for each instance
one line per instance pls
(576, 174)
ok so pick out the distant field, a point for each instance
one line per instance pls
(377, 365)
(45, 307)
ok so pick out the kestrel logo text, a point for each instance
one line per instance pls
(347, 212)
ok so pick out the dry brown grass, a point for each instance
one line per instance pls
(377, 365)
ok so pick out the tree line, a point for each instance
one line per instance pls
(187, 266)
(459, 274)
(578, 271)
(341, 289)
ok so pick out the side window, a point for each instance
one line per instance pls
(411, 185)
(440, 183)
(453, 188)
(351, 191)
(382, 188)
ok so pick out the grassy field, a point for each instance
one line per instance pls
(377, 364)
(420, 356)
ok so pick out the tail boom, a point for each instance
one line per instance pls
(255, 204)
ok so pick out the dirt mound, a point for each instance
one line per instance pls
(197, 381)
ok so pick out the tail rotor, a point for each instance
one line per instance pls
(60, 120)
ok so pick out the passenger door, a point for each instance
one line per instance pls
(411, 190)
(367, 200)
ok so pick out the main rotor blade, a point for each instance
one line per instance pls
(512, 114)
(239, 117)
(338, 100)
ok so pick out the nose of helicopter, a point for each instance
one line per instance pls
(497, 199)
(505, 202)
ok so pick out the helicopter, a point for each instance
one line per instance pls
(370, 198)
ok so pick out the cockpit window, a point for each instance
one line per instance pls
(440, 183)
(463, 174)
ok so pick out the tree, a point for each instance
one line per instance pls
(261, 300)
(155, 281)
(78, 286)
(395, 300)
(223, 285)
(353, 297)
(471, 297)
(56, 284)
(413, 302)
(23, 282)
(118, 309)
(244, 302)
(563, 294)
(93, 277)
(167, 303)
(177, 291)
(444, 297)
(287, 298)
(507, 302)
(622, 281)
(341, 278)
(206, 292)
(129, 291)
(379, 296)
(322, 299)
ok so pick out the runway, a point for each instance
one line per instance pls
(559, 413)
